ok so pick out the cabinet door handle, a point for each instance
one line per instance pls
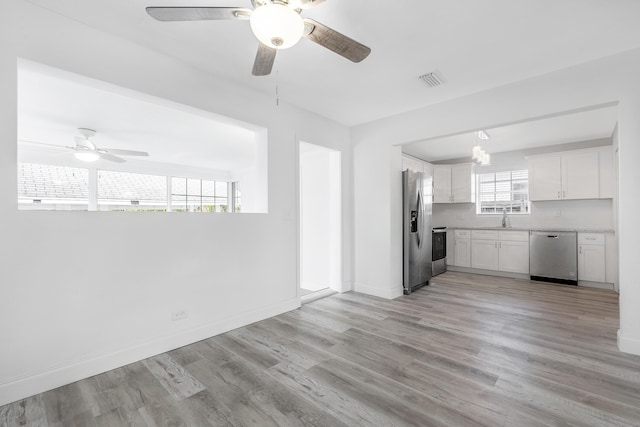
(564, 194)
(580, 251)
(558, 195)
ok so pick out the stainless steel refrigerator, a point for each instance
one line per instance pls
(417, 210)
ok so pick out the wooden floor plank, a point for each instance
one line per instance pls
(175, 378)
(466, 350)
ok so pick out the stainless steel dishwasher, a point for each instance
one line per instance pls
(554, 256)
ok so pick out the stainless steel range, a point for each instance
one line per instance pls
(438, 250)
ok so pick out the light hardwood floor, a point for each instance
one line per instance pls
(467, 350)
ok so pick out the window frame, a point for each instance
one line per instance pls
(94, 203)
(498, 211)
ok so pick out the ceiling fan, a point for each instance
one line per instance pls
(87, 151)
(277, 24)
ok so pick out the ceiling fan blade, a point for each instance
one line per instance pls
(84, 142)
(198, 13)
(264, 60)
(124, 152)
(304, 4)
(44, 144)
(111, 158)
(335, 41)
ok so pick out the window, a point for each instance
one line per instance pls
(198, 195)
(47, 187)
(237, 199)
(121, 191)
(503, 190)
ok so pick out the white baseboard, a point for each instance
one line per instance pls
(305, 299)
(55, 377)
(597, 285)
(628, 345)
(506, 274)
(387, 293)
(313, 286)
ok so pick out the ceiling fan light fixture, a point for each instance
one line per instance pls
(86, 156)
(276, 25)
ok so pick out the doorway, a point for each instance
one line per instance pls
(320, 221)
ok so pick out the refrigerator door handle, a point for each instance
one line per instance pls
(420, 218)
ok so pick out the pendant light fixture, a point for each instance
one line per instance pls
(479, 154)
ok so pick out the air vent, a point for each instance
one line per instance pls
(432, 79)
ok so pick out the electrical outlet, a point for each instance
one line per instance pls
(179, 315)
(558, 212)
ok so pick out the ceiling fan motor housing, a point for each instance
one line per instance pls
(276, 25)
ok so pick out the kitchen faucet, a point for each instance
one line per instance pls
(504, 217)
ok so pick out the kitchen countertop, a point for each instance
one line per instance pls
(579, 230)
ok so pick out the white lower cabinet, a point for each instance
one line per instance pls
(484, 254)
(513, 257)
(506, 251)
(462, 248)
(591, 257)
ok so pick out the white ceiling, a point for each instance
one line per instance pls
(580, 126)
(52, 104)
(475, 45)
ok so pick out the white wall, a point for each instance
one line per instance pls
(84, 292)
(376, 164)
(320, 225)
(576, 214)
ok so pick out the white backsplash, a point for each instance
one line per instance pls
(578, 214)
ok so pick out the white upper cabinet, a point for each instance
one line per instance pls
(579, 174)
(462, 183)
(606, 173)
(454, 183)
(545, 178)
(441, 184)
